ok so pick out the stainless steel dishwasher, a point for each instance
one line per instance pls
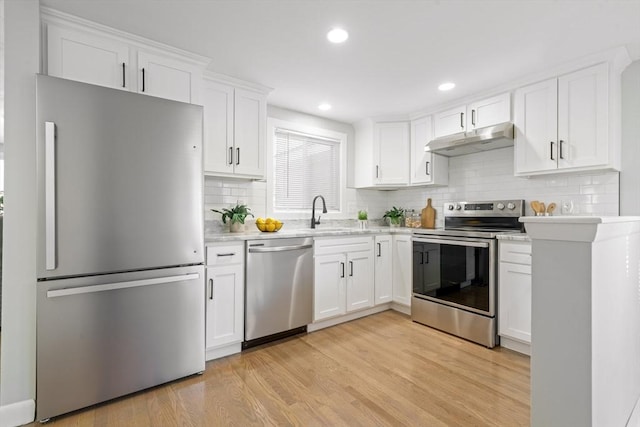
(279, 289)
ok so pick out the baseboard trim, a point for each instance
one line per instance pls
(17, 414)
(227, 350)
(401, 308)
(515, 345)
(346, 318)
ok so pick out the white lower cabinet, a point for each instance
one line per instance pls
(383, 271)
(224, 299)
(402, 269)
(514, 295)
(343, 276)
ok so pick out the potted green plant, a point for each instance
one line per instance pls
(362, 219)
(394, 216)
(236, 216)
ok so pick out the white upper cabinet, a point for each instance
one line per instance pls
(381, 154)
(426, 168)
(165, 77)
(234, 130)
(476, 115)
(563, 124)
(391, 153)
(85, 51)
(450, 121)
(87, 58)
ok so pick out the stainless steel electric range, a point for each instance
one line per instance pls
(455, 268)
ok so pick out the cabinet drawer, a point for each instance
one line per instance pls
(340, 245)
(515, 252)
(225, 254)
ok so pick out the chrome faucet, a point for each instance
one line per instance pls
(313, 211)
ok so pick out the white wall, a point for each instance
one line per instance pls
(22, 34)
(630, 175)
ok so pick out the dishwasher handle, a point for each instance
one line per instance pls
(279, 248)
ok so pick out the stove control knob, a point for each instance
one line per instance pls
(450, 207)
(500, 206)
(458, 207)
(511, 206)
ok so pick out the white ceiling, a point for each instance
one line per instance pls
(397, 53)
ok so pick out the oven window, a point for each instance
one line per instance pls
(452, 273)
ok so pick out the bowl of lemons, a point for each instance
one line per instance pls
(268, 225)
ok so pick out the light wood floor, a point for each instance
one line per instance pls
(379, 370)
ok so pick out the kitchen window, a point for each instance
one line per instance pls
(306, 162)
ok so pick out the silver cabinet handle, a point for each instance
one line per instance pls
(473, 117)
(238, 156)
(120, 285)
(551, 149)
(227, 254)
(350, 268)
(377, 171)
(560, 149)
(211, 289)
(426, 167)
(143, 79)
(50, 194)
(379, 249)
(123, 73)
(342, 266)
(279, 248)
(462, 120)
(230, 155)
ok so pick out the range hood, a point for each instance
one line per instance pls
(483, 139)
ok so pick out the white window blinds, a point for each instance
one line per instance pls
(305, 166)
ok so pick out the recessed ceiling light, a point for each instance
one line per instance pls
(446, 86)
(324, 106)
(337, 35)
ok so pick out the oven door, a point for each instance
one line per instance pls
(459, 272)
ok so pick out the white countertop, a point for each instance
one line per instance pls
(302, 232)
(574, 219)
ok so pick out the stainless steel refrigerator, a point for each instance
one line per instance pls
(120, 293)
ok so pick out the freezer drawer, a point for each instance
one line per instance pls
(106, 336)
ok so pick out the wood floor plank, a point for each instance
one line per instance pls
(381, 370)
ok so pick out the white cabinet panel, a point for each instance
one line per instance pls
(402, 269)
(360, 281)
(329, 286)
(250, 117)
(450, 121)
(218, 127)
(515, 301)
(391, 151)
(87, 58)
(426, 167)
(225, 300)
(489, 112)
(383, 269)
(164, 77)
(582, 118)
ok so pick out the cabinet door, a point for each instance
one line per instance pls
(450, 122)
(515, 301)
(583, 107)
(391, 151)
(218, 127)
(402, 269)
(421, 161)
(249, 133)
(329, 286)
(87, 58)
(383, 269)
(360, 285)
(164, 77)
(225, 305)
(489, 112)
(536, 122)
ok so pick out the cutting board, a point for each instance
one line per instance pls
(428, 216)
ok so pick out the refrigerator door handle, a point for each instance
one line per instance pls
(50, 194)
(120, 285)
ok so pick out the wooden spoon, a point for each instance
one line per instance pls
(535, 205)
(542, 208)
(551, 208)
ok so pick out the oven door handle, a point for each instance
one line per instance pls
(474, 244)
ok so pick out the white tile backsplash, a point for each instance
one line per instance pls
(479, 176)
